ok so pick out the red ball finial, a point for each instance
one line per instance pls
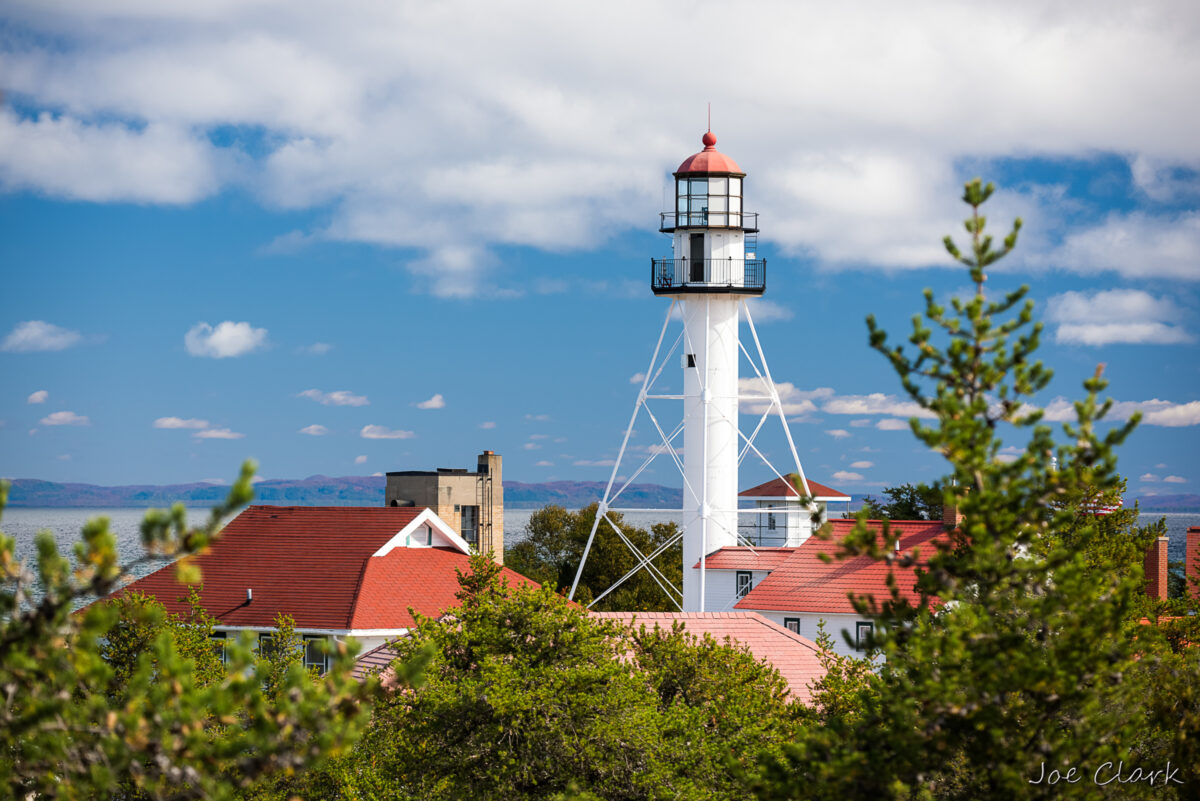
(709, 139)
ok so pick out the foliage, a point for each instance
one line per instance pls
(527, 695)
(907, 502)
(1019, 654)
(553, 548)
(86, 716)
(848, 687)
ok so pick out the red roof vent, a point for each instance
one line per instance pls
(709, 160)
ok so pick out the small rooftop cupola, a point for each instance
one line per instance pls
(712, 236)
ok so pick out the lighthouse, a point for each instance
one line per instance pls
(712, 270)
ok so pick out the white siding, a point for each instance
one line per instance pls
(838, 627)
(721, 587)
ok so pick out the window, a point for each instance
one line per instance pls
(863, 633)
(266, 645)
(217, 638)
(314, 653)
(792, 624)
(469, 524)
(744, 580)
(770, 521)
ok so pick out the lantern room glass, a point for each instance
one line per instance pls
(713, 201)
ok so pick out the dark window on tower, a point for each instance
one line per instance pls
(744, 579)
(469, 527)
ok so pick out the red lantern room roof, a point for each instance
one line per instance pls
(709, 160)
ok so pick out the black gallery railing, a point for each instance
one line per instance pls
(698, 275)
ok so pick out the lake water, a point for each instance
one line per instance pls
(65, 524)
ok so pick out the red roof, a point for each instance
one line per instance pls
(742, 558)
(779, 488)
(805, 583)
(315, 564)
(795, 657)
(709, 160)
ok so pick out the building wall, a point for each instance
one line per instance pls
(838, 627)
(720, 588)
(447, 492)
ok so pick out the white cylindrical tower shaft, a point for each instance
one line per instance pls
(710, 434)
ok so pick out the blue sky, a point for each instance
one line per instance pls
(392, 238)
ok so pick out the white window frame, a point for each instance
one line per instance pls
(739, 590)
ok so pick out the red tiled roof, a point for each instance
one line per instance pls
(805, 583)
(315, 564)
(795, 657)
(742, 558)
(778, 488)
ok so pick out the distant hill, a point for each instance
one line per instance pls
(368, 491)
(315, 491)
(1187, 502)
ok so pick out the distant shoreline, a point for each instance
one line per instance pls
(27, 493)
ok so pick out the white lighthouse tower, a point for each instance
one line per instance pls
(712, 271)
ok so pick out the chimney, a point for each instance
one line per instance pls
(1156, 569)
(951, 517)
(1191, 568)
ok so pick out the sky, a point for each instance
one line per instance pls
(386, 236)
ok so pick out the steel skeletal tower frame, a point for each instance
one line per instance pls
(708, 289)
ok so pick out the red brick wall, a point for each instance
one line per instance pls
(1156, 569)
(1192, 569)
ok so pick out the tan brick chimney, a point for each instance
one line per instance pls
(951, 517)
(1156, 569)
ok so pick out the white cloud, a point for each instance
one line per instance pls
(218, 433)
(766, 311)
(180, 422)
(838, 433)
(1175, 480)
(892, 424)
(795, 401)
(637, 378)
(867, 183)
(315, 430)
(360, 459)
(487, 425)
(1116, 316)
(65, 419)
(39, 335)
(75, 159)
(38, 397)
(544, 463)
(1155, 412)
(846, 475)
(539, 436)
(339, 397)
(1148, 477)
(875, 403)
(861, 422)
(1134, 245)
(1161, 466)
(531, 446)
(228, 339)
(316, 349)
(538, 418)
(381, 432)
(436, 402)
(862, 465)
(377, 474)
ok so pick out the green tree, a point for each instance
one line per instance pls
(553, 547)
(527, 695)
(907, 502)
(1018, 655)
(75, 724)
